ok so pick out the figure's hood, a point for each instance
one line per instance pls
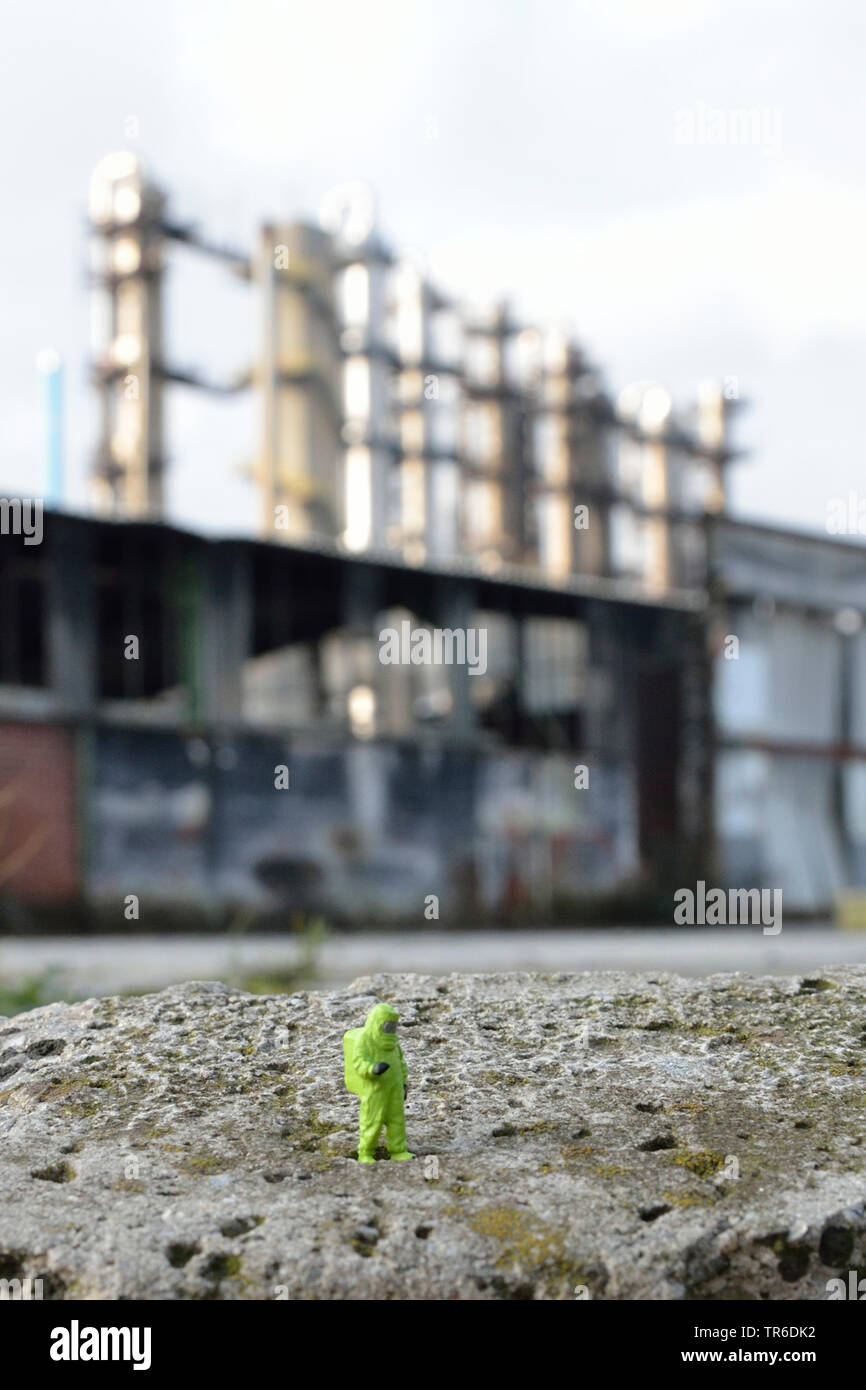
(381, 1013)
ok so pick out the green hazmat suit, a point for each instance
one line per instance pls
(382, 1094)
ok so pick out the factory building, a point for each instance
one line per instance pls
(211, 724)
(790, 712)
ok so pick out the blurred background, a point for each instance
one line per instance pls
(543, 321)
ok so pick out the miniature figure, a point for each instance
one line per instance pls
(376, 1071)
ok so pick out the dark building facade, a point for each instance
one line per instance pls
(165, 680)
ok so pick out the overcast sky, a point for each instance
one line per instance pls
(524, 146)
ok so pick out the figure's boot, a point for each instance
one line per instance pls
(395, 1135)
(371, 1127)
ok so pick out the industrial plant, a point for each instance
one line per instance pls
(204, 724)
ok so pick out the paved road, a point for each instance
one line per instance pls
(111, 964)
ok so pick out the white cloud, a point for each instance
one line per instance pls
(646, 18)
(788, 255)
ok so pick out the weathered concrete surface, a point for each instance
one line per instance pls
(197, 1143)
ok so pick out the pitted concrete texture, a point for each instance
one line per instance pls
(604, 1136)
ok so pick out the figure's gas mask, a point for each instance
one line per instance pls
(389, 1033)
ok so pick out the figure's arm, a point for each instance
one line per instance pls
(362, 1064)
(404, 1068)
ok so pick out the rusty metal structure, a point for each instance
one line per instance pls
(393, 421)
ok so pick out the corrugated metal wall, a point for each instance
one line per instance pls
(372, 828)
(789, 812)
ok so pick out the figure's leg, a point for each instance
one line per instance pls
(395, 1129)
(372, 1119)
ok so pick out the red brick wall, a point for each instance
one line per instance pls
(38, 853)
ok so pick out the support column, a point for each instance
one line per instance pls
(361, 596)
(455, 606)
(71, 626)
(227, 631)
